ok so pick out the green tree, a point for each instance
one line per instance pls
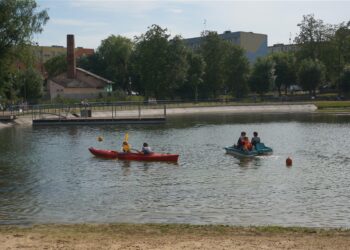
(261, 78)
(177, 65)
(150, 62)
(92, 63)
(315, 41)
(114, 54)
(30, 84)
(311, 74)
(341, 52)
(160, 63)
(284, 70)
(237, 70)
(313, 37)
(345, 81)
(214, 51)
(19, 20)
(194, 77)
(56, 65)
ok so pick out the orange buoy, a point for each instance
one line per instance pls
(289, 162)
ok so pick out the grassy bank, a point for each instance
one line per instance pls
(333, 106)
(170, 236)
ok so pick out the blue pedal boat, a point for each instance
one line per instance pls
(260, 149)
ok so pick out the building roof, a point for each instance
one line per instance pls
(94, 75)
(66, 82)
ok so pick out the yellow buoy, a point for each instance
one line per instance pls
(100, 138)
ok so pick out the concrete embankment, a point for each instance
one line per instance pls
(247, 109)
(244, 109)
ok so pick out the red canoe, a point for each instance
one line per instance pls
(109, 154)
(134, 156)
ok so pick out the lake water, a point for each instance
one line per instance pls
(47, 174)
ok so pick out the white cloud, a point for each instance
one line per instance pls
(118, 5)
(77, 23)
(176, 11)
(186, 17)
(131, 34)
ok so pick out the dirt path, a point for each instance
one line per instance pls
(169, 237)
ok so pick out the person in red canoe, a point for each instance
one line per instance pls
(146, 149)
(126, 147)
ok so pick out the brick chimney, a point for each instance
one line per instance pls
(71, 70)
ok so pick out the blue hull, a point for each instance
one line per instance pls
(262, 149)
(241, 153)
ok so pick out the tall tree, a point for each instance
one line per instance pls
(345, 81)
(177, 65)
(92, 63)
(261, 79)
(194, 77)
(151, 53)
(213, 50)
(315, 42)
(30, 84)
(284, 70)
(114, 53)
(313, 37)
(160, 63)
(19, 20)
(341, 52)
(237, 70)
(311, 74)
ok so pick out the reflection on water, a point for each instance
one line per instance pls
(47, 174)
(249, 162)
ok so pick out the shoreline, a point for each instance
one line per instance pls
(230, 109)
(170, 236)
(236, 109)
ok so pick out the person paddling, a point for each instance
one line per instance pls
(146, 149)
(126, 147)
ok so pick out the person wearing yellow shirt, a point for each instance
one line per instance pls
(126, 147)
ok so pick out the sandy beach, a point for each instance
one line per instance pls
(157, 236)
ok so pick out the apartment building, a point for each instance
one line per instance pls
(254, 44)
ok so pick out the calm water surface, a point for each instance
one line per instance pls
(47, 174)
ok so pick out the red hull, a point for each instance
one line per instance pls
(148, 157)
(110, 154)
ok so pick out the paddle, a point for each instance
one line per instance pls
(126, 137)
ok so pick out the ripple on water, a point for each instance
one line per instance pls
(48, 175)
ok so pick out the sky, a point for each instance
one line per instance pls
(92, 21)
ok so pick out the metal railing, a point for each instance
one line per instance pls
(111, 110)
(77, 109)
